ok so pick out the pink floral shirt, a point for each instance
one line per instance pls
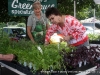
(72, 27)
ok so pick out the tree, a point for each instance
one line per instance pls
(4, 17)
(67, 7)
(98, 12)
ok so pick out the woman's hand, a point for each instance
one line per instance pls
(46, 43)
(8, 57)
(67, 38)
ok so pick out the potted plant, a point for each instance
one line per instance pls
(32, 58)
(81, 59)
(94, 39)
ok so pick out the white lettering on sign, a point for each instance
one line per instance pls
(15, 4)
(30, 11)
(46, 6)
(26, 7)
(21, 12)
(31, 0)
(45, 0)
(38, 0)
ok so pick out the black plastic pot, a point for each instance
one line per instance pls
(83, 68)
(19, 67)
(94, 42)
(56, 72)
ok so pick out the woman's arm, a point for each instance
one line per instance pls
(7, 57)
(30, 34)
(51, 30)
(76, 28)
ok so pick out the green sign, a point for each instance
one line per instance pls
(24, 7)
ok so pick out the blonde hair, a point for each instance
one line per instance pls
(36, 4)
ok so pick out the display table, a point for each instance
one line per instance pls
(91, 71)
(17, 68)
(88, 69)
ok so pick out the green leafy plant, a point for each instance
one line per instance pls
(93, 36)
(27, 53)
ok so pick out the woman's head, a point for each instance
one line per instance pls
(52, 11)
(37, 7)
(53, 15)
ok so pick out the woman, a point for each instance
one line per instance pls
(7, 57)
(37, 24)
(74, 33)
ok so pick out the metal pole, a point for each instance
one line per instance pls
(74, 8)
(94, 21)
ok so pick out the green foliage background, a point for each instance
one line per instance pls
(65, 6)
